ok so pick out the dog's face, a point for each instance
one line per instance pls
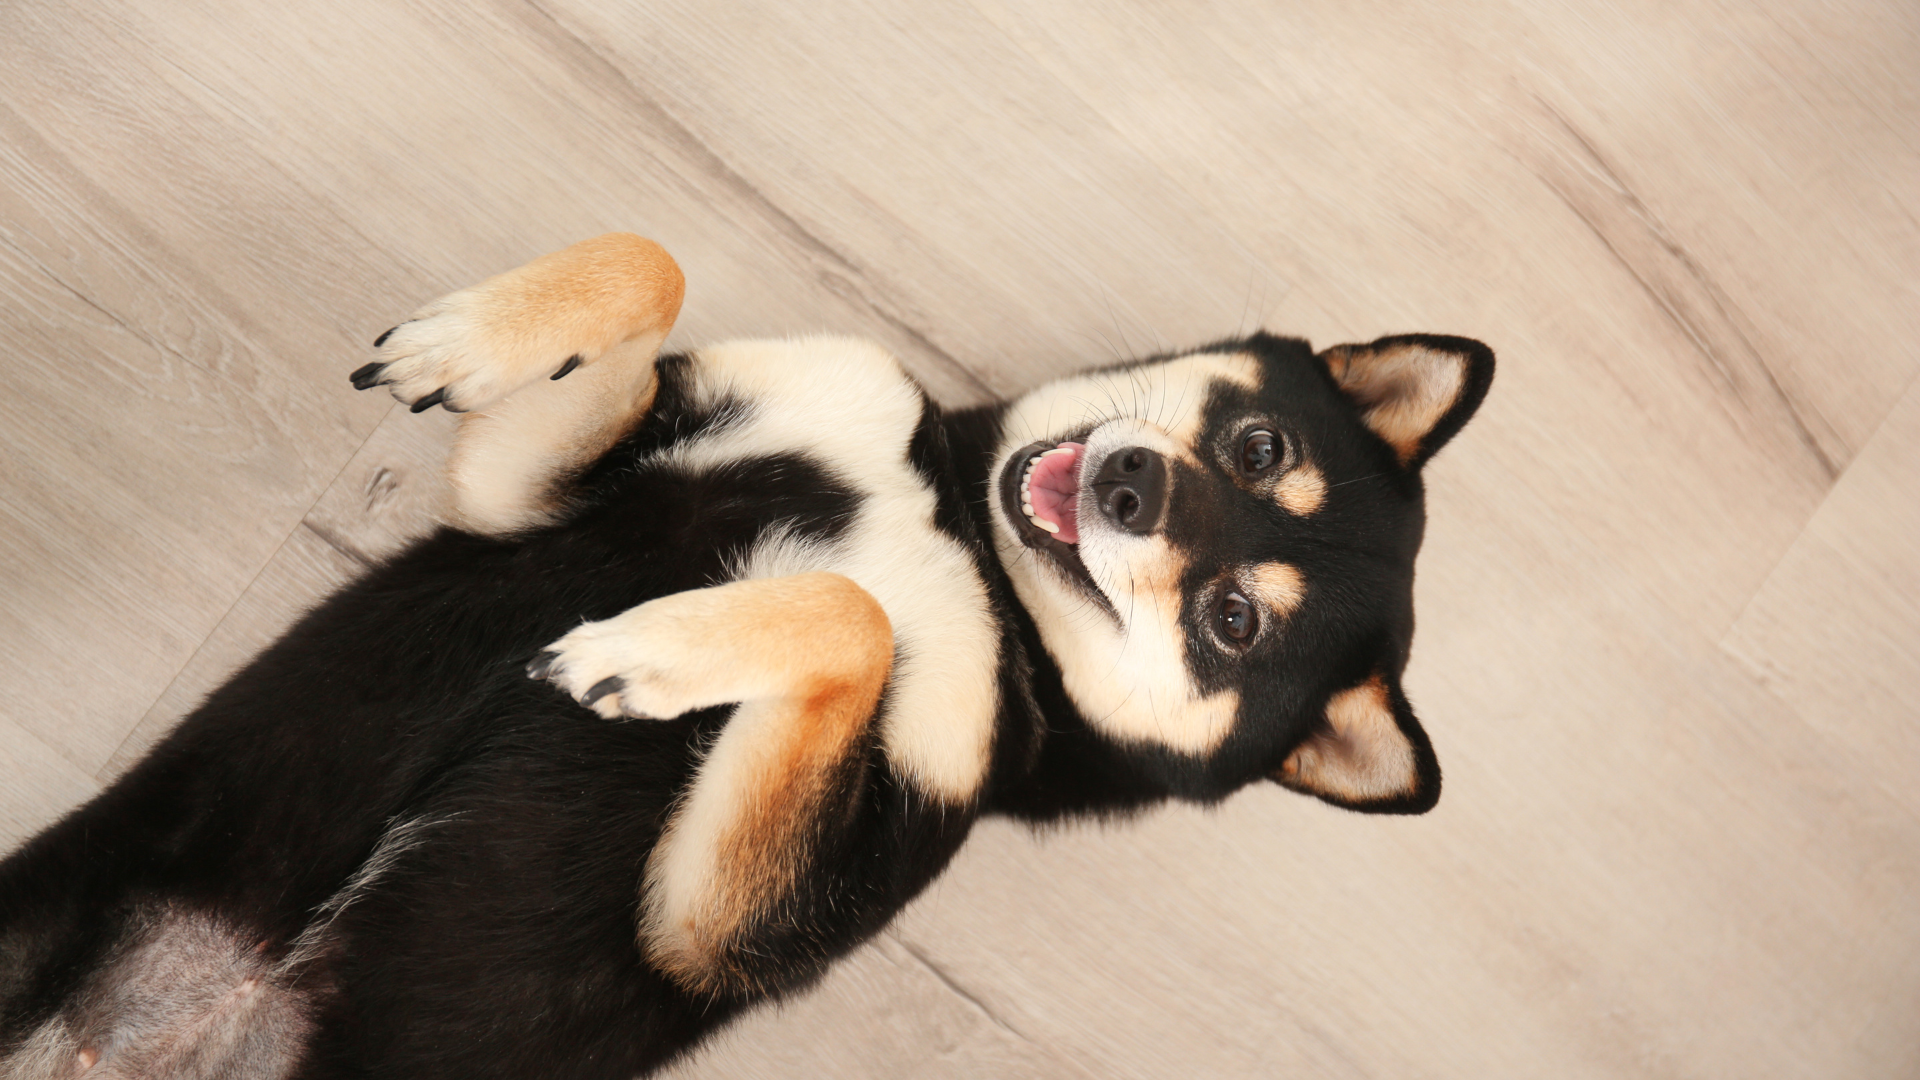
(1217, 550)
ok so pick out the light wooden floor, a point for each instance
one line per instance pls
(1669, 598)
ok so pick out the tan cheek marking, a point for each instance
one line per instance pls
(1302, 491)
(1362, 755)
(1280, 586)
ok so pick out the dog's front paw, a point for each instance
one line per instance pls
(628, 665)
(452, 354)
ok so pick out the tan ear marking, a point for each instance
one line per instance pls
(1302, 491)
(1403, 390)
(1280, 586)
(1360, 755)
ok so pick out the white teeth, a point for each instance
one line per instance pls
(1026, 491)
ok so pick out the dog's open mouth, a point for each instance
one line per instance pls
(1050, 491)
(1040, 490)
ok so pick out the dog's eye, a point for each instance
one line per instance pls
(1237, 621)
(1260, 452)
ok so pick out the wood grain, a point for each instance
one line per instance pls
(1668, 629)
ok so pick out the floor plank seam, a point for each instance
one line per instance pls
(1912, 386)
(955, 988)
(102, 774)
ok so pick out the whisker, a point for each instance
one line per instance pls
(1356, 480)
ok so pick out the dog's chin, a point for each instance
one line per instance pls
(1053, 500)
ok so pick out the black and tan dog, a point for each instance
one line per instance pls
(845, 624)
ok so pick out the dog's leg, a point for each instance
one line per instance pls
(806, 657)
(551, 362)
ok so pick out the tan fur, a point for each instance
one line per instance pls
(1403, 390)
(1360, 754)
(480, 344)
(1279, 586)
(582, 300)
(1302, 490)
(507, 460)
(806, 657)
(493, 348)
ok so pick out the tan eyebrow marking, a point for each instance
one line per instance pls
(1303, 490)
(1278, 585)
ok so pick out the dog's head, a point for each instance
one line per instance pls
(1217, 550)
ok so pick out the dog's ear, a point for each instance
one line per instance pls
(1368, 753)
(1414, 390)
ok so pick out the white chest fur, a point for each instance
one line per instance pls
(846, 404)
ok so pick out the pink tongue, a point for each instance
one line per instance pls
(1054, 490)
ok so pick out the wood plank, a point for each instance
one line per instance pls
(121, 556)
(457, 115)
(1835, 631)
(1621, 881)
(150, 386)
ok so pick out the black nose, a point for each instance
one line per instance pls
(1132, 488)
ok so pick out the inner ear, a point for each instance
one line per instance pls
(1414, 390)
(1367, 753)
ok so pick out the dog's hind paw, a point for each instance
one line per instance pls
(469, 349)
(446, 355)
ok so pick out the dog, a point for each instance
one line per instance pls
(717, 662)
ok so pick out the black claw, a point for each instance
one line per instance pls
(382, 339)
(367, 376)
(430, 400)
(542, 665)
(572, 362)
(612, 684)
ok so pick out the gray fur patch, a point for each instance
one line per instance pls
(184, 998)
